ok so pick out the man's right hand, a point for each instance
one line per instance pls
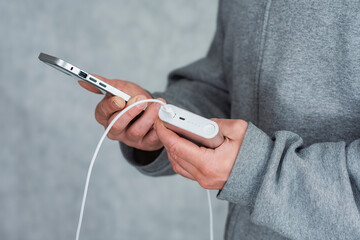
(137, 133)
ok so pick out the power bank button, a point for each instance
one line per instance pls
(209, 129)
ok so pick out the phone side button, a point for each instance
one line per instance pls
(92, 79)
(103, 85)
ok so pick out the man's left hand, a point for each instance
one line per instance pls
(209, 167)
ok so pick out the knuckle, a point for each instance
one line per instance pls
(116, 128)
(135, 133)
(204, 183)
(207, 170)
(125, 84)
(208, 184)
(99, 119)
(111, 136)
(208, 166)
(238, 124)
(176, 168)
(153, 140)
(132, 113)
(173, 150)
(100, 111)
(172, 156)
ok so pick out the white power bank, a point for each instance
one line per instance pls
(201, 130)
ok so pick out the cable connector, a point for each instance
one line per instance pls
(166, 108)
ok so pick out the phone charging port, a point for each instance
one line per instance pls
(82, 74)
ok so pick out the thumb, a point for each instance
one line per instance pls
(234, 129)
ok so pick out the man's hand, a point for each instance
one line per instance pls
(209, 167)
(139, 133)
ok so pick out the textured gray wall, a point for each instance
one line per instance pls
(48, 132)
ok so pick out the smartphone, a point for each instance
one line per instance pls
(71, 70)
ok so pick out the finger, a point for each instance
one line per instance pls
(119, 84)
(128, 87)
(107, 107)
(144, 123)
(92, 88)
(151, 140)
(180, 170)
(182, 167)
(89, 87)
(227, 126)
(112, 82)
(119, 136)
(181, 147)
(133, 112)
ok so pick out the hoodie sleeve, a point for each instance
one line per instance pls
(301, 192)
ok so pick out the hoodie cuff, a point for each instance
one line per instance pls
(247, 174)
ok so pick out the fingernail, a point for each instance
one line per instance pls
(117, 104)
(141, 105)
(157, 121)
(158, 106)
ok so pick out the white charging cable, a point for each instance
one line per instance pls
(97, 151)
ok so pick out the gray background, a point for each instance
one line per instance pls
(48, 132)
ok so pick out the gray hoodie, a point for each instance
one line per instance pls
(291, 69)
